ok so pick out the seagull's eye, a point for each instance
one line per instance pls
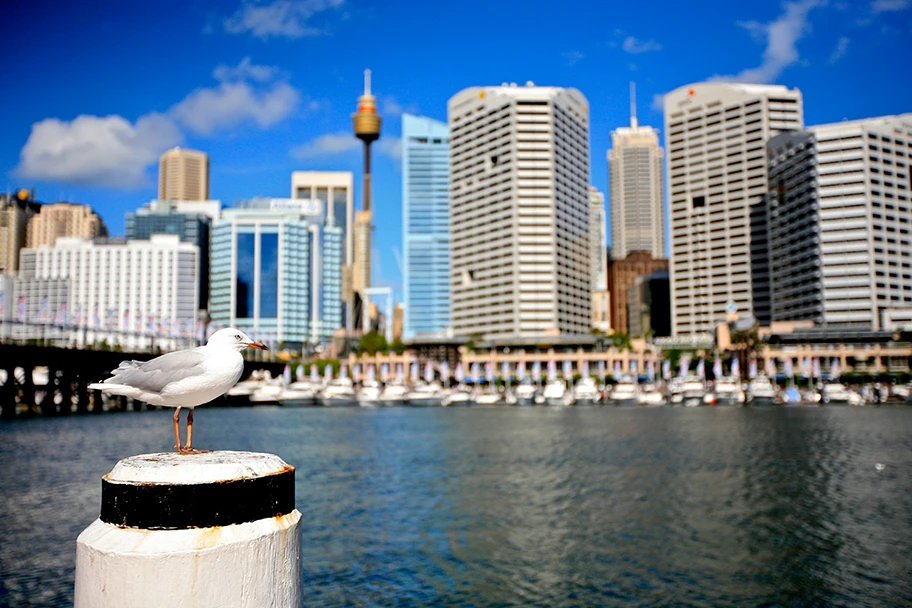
(237, 337)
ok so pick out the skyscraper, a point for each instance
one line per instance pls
(519, 211)
(183, 175)
(277, 270)
(63, 220)
(15, 212)
(598, 254)
(840, 223)
(425, 225)
(716, 136)
(637, 192)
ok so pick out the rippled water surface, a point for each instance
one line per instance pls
(521, 506)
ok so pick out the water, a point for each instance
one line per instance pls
(521, 506)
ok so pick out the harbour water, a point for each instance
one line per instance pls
(520, 506)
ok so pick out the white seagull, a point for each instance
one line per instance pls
(184, 378)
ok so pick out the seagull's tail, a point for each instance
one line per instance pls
(114, 389)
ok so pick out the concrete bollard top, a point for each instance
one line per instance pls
(178, 491)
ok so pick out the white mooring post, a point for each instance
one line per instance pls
(204, 530)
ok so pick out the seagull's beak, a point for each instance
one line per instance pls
(258, 345)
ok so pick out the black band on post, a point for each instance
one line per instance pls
(158, 506)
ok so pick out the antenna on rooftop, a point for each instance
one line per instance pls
(367, 82)
(633, 105)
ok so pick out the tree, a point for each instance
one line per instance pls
(398, 346)
(371, 343)
(620, 341)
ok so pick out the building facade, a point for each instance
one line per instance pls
(425, 225)
(637, 191)
(840, 223)
(519, 211)
(15, 212)
(649, 306)
(622, 274)
(277, 270)
(131, 293)
(191, 221)
(59, 220)
(716, 136)
(183, 175)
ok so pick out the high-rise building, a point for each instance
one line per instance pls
(277, 270)
(840, 223)
(425, 225)
(183, 175)
(15, 212)
(191, 221)
(126, 292)
(649, 306)
(716, 136)
(637, 192)
(63, 220)
(622, 275)
(335, 191)
(598, 248)
(519, 211)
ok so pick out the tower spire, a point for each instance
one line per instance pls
(633, 105)
(367, 82)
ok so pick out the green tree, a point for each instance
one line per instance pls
(398, 346)
(372, 343)
(620, 341)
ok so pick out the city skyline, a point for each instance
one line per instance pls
(265, 90)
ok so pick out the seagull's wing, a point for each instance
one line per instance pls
(154, 375)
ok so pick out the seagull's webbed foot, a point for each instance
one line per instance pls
(188, 449)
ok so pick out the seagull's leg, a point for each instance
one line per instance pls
(177, 437)
(188, 449)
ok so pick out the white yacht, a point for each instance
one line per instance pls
(241, 392)
(488, 396)
(369, 394)
(760, 391)
(650, 395)
(425, 394)
(393, 394)
(298, 394)
(525, 392)
(728, 391)
(689, 392)
(268, 391)
(623, 393)
(836, 393)
(339, 392)
(458, 396)
(556, 393)
(586, 392)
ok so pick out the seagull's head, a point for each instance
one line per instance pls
(233, 338)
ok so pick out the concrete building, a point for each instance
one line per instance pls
(191, 221)
(425, 225)
(598, 248)
(59, 220)
(622, 275)
(183, 175)
(15, 212)
(336, 192)
(277, 270)
(716, 136)
(637, 190)
(649, 306)
(840, 224)
(519, 211)
(123, 292)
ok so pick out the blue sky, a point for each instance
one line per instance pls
(95, 91)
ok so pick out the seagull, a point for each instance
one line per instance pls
(184, 378)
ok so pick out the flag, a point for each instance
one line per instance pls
(460, 374)
(789, 372)
(314, 375)
(41, 315)
(752, 369)
(617, 369)
(601, 370)
(78, 321)
(815, 367)
(299, 372)
(61, 317)
(488, 372)
(736, 368)
(834, 367)
(567, 369)
(683, 366)
(552, 370)
(126, 319)
(536, 370)
(327, 372)
(473, 372)
(356, 372)
(701, 368)
(343, 370)
(771, 367)
(413, 372)
(20, 314)
(717, 368)
(400, 374)
(444, 370)
(505, 370)
(371, 372)
(384, 372)
(650, 370)
(96, 317)
(633, 368)
(428, 372)
(806, 366)
(666, 369)
(521, 370)
(286, 375)
(585, 371)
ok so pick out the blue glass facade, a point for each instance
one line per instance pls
(425, 225)
(277, 269)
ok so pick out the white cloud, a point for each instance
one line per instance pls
(233, 103)
(634, 46)
(389, 146)
(572, 57)
(841, 49)
(658, 102)
(281, 18)
(782, 36)
(245, 70)
(96, 150)
(329, 144)
(884, 6)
